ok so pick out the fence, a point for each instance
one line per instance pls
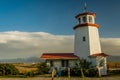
(69, 77)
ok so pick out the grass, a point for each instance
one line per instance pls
(62, 78)
(13, 76)
(48, 77)
(33, 67)
(23, 68)
(113, 64)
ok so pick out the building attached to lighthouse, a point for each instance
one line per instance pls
(87, 42)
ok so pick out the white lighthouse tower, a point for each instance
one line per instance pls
(87, 42)
(86, 35)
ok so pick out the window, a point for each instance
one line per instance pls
(84, 38)
(51, 63)
(84, 19)
(90, 19)
(79, 20)
(65, 63)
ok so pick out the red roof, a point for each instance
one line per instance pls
(86, 24)
(86, 13)
(99, 54)
(58, 56)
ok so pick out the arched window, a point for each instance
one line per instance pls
(84, 38)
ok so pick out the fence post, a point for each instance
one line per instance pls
(68, 73)
(82, 73)
(98, 71)
(53, 73)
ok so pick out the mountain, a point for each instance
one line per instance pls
(112, 58)
(22, 60)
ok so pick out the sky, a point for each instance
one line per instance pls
(32, 27)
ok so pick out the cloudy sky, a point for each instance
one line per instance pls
(32, 27)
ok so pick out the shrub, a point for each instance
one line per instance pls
(64, 72)
(29, 74)
(43, 68)
(84, 67)
(8, 69)
(75, 72)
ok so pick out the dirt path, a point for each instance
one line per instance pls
(48, 78)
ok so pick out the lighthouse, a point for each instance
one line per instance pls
(86, 45)
(86, 35)
(87, 42)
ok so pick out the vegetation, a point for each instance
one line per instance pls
(12, 70)
(26, 67)
(42, 68)
(29, 74)
(82, 68)
(113, 65)
(85, 68)
(8, 69)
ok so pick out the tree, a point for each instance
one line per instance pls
(85, 68)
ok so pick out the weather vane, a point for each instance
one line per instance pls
(85, 7)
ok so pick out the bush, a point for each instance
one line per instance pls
(75, 72)
(64, 72)
(90, 72)
(8, 69)
(87, 69)
(29, 74)
(43, 68)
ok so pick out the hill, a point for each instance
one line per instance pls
(21, 60)
(112, 58)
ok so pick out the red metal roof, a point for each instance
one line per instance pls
(86, 24)
(99, 54)
(86, 13)
(58, 56)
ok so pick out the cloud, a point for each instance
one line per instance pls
(16, 44)
(111, 45)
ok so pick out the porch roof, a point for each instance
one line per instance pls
(58, 56)
(99, 54)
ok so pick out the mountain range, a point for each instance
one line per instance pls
(22, 60)
(37, 59)
(112, 58)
